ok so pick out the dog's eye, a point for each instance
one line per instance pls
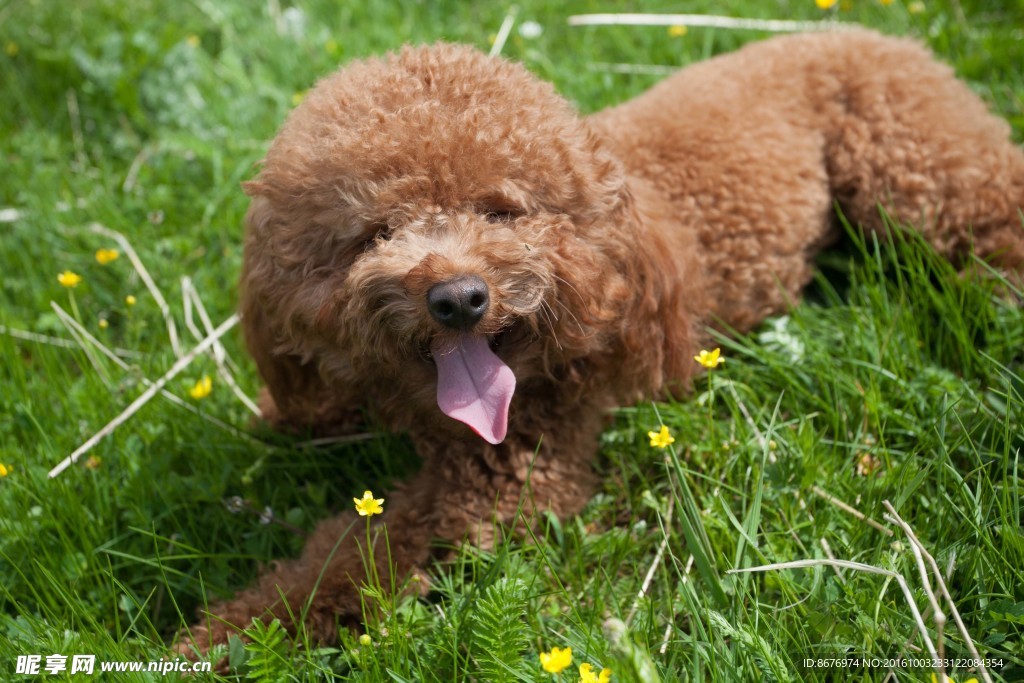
(501, 216)
(381, 231)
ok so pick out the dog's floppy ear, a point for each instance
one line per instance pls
(295, 387)
(292, 385)
(657, 332)
(627, 302)
(636, 288)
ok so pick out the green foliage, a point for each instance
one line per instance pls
(498, 632)
(268, 655)
(899, 379)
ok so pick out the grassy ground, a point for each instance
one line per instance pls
(896, 381)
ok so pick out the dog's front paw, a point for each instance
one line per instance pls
(197, 642)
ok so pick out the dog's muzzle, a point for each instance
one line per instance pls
(459, 303)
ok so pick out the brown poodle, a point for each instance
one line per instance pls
(438, 238)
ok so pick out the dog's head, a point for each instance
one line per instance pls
(431, 229)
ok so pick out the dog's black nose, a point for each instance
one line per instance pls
(460, 302)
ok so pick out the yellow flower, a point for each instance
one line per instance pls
(915, 7)
(710, 359)
(192, 40)
(202, 388)
(69, 279)
(825, 4)
(104, 324)
(368, 506)
(5, 470)
(555, 661)
(298, 97)
(365, 639)
(11, 48)
(677, 31)
(886, 2)
(93, 462)
(661, 439)
(130, 300)
(105, 256)
(588, 676)
(949, 679)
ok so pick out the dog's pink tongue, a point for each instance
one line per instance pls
(473, 385)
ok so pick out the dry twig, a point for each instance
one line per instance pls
(920, 550)
(145, 397)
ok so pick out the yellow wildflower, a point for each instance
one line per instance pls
(825, 4)
(915, 7)
(710, 359)
(5, 470)
(130, 300)
(69, 279)
(555, 661)
(105, 256)
(661, 439)
(104, 324)
(885, 2)
(202, 388)
(949, 679)
(365, 639)
(367, 506)
(587, 674)
(11, 48)
(677, 31)
(298, 97)
(93, 462)
(192, 40)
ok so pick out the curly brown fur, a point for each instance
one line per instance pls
(606, 243)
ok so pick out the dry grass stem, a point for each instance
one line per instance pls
(828, 553)
(818, 491)
(190, 298)
(633, 69)
(76, 331)
(668, 627)
(503, 32)
(858, 567)
(133, 171)
(140, 268)
(146, 396)
(77, 138)
(658, 556)
(177, 400)
(761, 442)
(59, 341)
(706, 21)
(943, 589)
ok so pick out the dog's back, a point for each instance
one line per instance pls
(751, 150)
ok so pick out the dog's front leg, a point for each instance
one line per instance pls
(479, 488)
(460, 493)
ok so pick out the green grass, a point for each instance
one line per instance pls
(145, 116)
